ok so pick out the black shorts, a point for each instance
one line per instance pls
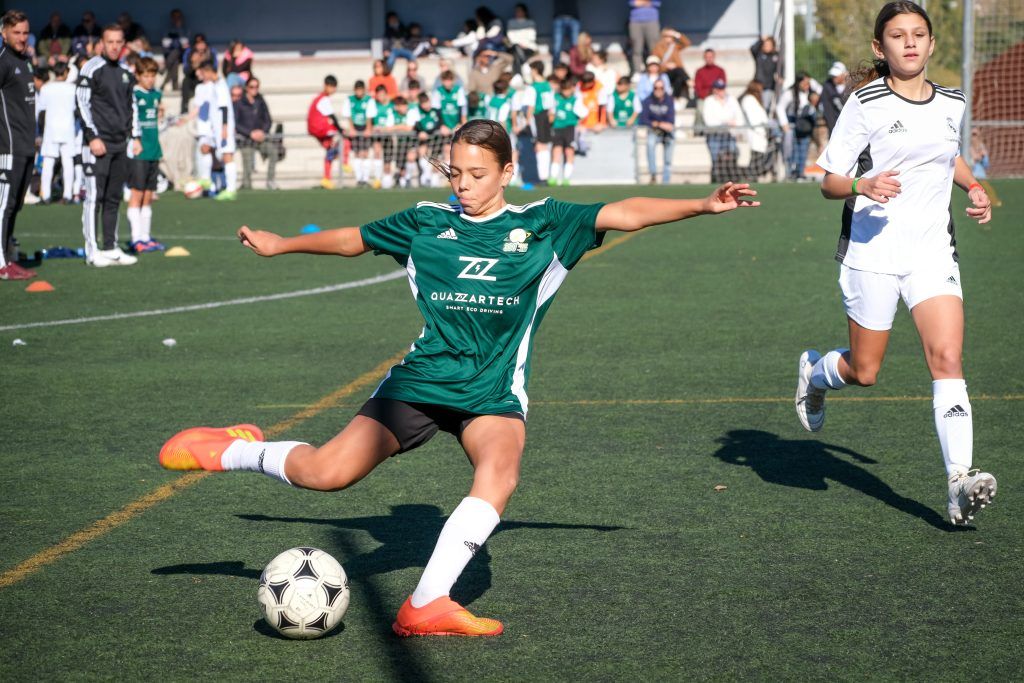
(563, 137)
(360, 143)
(414, 424)
(142, 174)
(543, 125)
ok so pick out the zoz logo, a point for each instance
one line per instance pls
(477, 268)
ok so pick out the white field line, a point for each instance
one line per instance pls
(163, 236)
(394, 275)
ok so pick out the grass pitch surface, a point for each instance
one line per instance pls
(665, 368)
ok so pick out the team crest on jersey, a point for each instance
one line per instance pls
(953, 132)
(516, 243)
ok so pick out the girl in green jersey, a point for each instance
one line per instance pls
(483, 274)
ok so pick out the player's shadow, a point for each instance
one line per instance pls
(812, 464)
(407, 537)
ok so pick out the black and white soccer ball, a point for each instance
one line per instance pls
(303, 593)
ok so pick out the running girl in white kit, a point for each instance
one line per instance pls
(893, 157)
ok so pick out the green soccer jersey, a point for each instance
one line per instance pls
(543, 96)
(385, 116)
(499, 108)
(147, 106)
(566, 111)
(483, 286)
(450, 103)
(429, 120)
(357, 110)
(478, 112)
(623, 107)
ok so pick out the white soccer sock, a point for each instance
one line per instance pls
(204, 167)
(543, 164)
(146, 214)
(230, 176)
(556, 170)
(465, 531)
(259, 456)
(79, 179)
(953, 423)
(825, 373)
(567, 173)
(135, 221)
(378, 168)
(46, 178)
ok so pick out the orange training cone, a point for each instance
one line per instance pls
(40, 286)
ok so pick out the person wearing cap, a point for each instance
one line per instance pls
(721, 113)
(653, 74)
(833, 93)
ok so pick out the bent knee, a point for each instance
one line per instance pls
(864, 376)
(945, 362)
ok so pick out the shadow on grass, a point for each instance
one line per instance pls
(406, 537)
(811, 464)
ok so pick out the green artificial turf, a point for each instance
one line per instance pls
(665, 368)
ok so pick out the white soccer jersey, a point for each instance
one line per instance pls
(57, 99)
(222, 95)
(877, 131)
(203, 102)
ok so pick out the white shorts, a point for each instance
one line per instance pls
(871, 298)
(53, 148)
(228, 148)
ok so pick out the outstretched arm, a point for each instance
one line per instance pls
(638, 213)
(338, 242)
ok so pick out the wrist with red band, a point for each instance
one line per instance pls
(975, 185)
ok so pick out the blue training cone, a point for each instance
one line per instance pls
(309, 228)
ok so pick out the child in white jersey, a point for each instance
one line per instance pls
(56, 115)
(893, 157)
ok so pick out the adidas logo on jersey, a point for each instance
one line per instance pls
(897, 127)
(448, 234)
(956, 411)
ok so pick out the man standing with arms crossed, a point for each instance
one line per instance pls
(109, 125)
(17, 135)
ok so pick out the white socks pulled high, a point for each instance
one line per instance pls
(259, 456)
(463, 534)
(825, 373)
(953, 423)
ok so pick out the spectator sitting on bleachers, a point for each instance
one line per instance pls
(412, 73)
(413, 94)
(659, 114)
(237, 63)
(721, 113)
(521, 31)
(476, 106)
(382, 76)
(395, 40)
(706, 76)
(450, 101)
(593, 99)
(494, 30)
(252, 129)
(606, 76)
(623, 105)
(669, 49)
(174, 42)
(487, 68)
(759, 130)
(85, 34)
(54, 38)
(467, 40)
(579, 55)
(645, 84)
(421, 45)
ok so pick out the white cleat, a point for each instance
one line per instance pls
(968, 493)
(810, 401)
(111, 257)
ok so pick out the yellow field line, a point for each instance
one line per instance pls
(140, 505)
(702, 401)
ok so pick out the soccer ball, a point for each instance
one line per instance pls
(193, 189)
(303, 593)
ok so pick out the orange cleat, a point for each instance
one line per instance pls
(200, 448)
(442, 617)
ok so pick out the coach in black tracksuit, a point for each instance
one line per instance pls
(109, 125)
(17, 135)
